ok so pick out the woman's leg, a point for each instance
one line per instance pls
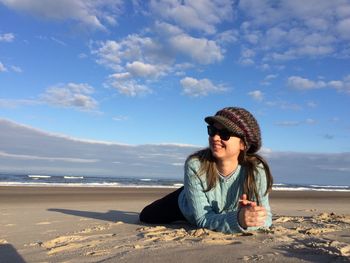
(164, 210)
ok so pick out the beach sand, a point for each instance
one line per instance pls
(66, 224)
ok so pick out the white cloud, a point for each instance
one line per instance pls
(247, 53)
(108, 54)
(167, 29)
(120, 118)
(58, 41)
(246, 61)
(308, 121)
(140, 69)
(313, 50)
(202, 15)
(202, 50)
(256, 95)
(268, 78)
(295, 29)
(247, 56)
(7, 37)
(253, 37)
(337, 84)
(199, 87)
(16, 69)
(307, 84)
(14, 103)
(138, 59)
(43, 158)
(341, 85)
(343, 28)
(82, 56)
(2, 68)
(265, 66)
(95, 14)
(284, 105)
(62, 154)
(71, 95)
(227, 37)
(304, 84)
(116, 54)
(121, 76)
(289, 123)
(312, 104)
(130, 88)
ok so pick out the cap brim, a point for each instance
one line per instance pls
(223, 121)
(218, 119)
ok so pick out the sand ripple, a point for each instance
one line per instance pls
(297, 232)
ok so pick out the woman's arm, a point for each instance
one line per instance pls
(261, 185)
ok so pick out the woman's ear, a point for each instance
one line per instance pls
(242, 145)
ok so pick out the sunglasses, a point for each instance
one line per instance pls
(224, 134)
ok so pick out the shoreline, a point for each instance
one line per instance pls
(275, 188)
(12, 190)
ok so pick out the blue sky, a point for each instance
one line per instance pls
(148, 72)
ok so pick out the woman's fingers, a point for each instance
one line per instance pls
(252, 216)
(250, 213)
(256, 216)
(243, 201)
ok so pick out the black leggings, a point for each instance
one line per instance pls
(164, 210)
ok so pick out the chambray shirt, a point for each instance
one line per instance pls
(217, 209)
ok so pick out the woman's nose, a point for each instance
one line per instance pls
(216, 137)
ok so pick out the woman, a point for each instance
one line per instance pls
(226, 186)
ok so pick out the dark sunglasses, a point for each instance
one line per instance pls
(224, 134)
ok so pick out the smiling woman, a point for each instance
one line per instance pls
(226, 186)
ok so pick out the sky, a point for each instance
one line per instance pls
(148, 72)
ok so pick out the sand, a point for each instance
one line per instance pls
(66, 224)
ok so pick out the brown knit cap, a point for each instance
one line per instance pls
(240, 122)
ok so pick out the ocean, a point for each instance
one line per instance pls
(99, 181)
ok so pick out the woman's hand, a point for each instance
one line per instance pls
(250, 214)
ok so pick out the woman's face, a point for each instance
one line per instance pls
(225, 150)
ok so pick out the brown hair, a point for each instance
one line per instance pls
(249, 161)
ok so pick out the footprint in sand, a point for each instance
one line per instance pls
(343, 249)
(283, 219)
(161, 233)
(92, 229)
(98, 253)
(74, 242)
(98, 228)
(330, 247)
(267, 256)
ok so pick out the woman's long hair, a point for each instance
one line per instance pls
(249, 161)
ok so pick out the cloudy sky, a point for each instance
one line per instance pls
(26, 150)
(148, 72)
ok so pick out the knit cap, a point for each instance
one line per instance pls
(240, 122)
